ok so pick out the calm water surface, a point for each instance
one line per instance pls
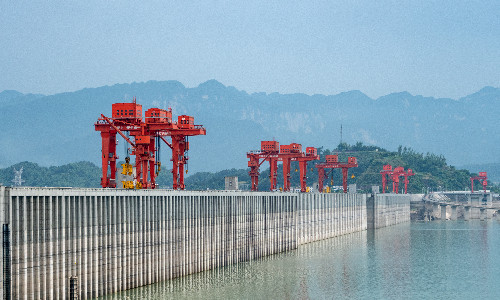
(438, 260)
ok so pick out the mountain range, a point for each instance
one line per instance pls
(58, 129)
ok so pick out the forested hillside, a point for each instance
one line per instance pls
(79, 174)
(432, 172)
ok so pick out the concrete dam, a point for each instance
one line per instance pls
(64, 243)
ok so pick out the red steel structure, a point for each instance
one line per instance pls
(332, 162)
(407, 174)
(482, 178)
(127, 121)
(387, 171)
(273, 152)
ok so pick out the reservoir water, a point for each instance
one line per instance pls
(417, 260)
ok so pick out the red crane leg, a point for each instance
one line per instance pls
(152, 162)
(112, 160)
(384, 183)
(321, 178)
(138, 167)
(406, 184)
(179, 146)
(254, 171)
(144, 182)
(181, 176)
(256, 181)
(344, 179)
(175, 161)
(105, 158)
(303, 175)
(254, 175)
(182, 151)
(273, 164)
(395, 184)
(286, 174)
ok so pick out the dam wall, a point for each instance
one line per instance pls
(322, 216)
(387, 209)
(62, 242)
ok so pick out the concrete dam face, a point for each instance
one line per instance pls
(60, 243)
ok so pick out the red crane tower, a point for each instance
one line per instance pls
(408, 173)
(386, 171)
(332, 162)
(482, 178)
(127, 118)
(293, 152)
(394, 175)
(311, 154)
(272, 152)
(269, 152)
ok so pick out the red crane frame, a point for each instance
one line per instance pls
(482, 178)
(387, 171)
(273, 152)
(332, 162)
(127, 118)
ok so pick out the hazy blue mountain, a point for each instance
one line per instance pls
(7, 95)
(10, 97)
(493, 170)
(58, 129)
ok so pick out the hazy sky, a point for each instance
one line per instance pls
(432, 48)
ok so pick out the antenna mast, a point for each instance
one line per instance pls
(18, 181)
(340, 133)
(340, 145)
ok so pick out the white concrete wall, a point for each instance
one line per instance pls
(388, 209)
(322, 216)
(114, 239)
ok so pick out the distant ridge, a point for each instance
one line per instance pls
(493, 170)
(58, 129)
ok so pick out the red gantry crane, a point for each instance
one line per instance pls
(272, 152)
(268, 152)
(387, 171)
(482, 178)
(145, 143)
(332, 162)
